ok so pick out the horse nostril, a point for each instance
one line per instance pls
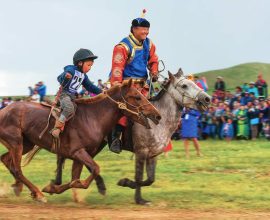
(207, 100)
(158, 117)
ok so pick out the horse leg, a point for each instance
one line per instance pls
(76, 173)
(59, 169)
(150, 170)
(7, 161)
(15, 148)
(139, 165)
(81, 157)
(140, 160)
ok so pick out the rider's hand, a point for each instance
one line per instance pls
(154, 78)
(68, 76)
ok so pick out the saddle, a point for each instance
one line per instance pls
(56, 111)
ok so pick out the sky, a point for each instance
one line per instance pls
(39, 37)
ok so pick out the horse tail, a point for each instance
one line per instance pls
(30, 155)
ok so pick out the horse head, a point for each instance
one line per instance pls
(187, 93)
(138, 108)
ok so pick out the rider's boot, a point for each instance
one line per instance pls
(116, 144)
(58, 128)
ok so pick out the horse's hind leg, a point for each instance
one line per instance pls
(16, 150)
(7, 161)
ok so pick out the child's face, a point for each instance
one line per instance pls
(86, 66)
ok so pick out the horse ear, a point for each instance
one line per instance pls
(171, 76)
(179, 73)
(129, 83)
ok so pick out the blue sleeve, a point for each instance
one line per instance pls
(90, 87)
(61, 77)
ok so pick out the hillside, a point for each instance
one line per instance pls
(237, 75)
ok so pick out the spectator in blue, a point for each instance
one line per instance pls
(210, 129)
(245, 99)
(41, 88)
(228, 130)
(253, 89)
(190, 129)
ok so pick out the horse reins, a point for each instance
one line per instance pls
(123, 106)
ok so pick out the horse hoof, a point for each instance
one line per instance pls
(102, 192)
(42, 199)
(143, 202)
(39, 197)
(17, 190)
(49, 189)
(122, 182)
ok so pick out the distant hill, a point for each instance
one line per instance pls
(237, 75)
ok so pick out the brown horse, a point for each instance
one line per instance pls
(22, 122)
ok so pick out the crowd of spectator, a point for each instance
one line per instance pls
(242, 114)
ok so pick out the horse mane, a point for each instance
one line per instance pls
(165, 86)
(100, 96)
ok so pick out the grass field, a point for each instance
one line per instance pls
(239, 74)
(230, 176)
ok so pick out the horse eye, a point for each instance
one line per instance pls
(184, 86)
(138, 98)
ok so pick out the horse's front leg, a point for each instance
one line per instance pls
(80, 158)
(58, 187)
(125, 182)
(59, 169)
(150, 170)
(140, 161)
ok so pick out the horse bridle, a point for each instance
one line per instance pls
(183, 94)
(123, 105)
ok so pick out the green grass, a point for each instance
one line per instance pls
(239, 74)
(233, 176)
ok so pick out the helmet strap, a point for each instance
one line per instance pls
(80, 65)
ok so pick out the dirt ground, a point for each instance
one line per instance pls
(41, 211)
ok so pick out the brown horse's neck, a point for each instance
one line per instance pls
(102, 110)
